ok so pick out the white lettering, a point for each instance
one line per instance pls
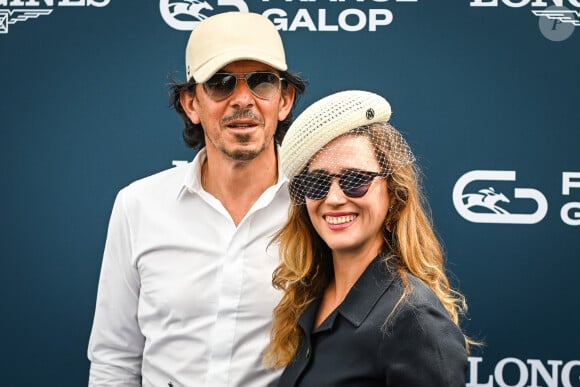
(498, 372)
(515, 4)
(522, 3)
(98, 3)
(14, 3)
(362, 19)
(322, 22)
(35, 3)
(379, 17)
(483, 3)
(348, 20)
(568, 183)
(281, 22)
(574, 218)
(72, 3)
(566, 372)
(303, 19)
(361, 1)
(538, 367)
(473, 361)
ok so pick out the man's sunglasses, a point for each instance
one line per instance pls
(354, 184)
(263, 84)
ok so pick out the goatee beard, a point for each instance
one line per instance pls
(243, 155)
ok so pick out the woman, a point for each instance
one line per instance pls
(366, 301)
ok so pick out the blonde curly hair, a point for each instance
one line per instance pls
(306, 261)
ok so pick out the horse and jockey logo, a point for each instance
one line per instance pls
(189, 8)
(486, 204)
(486, 198)
(186, 14)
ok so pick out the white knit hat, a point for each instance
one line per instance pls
(231, 36)
(327, 119)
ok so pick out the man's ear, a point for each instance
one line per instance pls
(187, 100)
(286, 102)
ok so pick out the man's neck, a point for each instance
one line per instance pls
(238, 184)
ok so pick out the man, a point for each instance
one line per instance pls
(185, 295)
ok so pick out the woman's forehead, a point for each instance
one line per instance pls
(346, 152)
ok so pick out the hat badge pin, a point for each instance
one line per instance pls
(370, 114)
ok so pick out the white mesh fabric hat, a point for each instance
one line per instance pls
(231, 36)
(313, 138)
(327, 119)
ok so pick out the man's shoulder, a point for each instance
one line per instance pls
(168, 180)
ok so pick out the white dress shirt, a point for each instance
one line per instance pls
(185, 297)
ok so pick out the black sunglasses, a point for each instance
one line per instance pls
(263, 84)
(354, 184)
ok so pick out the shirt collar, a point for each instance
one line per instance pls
(192, 180)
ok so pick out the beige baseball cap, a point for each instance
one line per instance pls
(231, 36)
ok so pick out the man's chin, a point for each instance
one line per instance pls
(243, 154)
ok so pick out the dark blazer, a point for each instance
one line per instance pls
(419, 346)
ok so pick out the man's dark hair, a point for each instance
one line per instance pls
(193, 133)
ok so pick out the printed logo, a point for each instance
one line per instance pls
(12, 16)
(485, 205)
(556, 22)
(486, 198)
(185, 15)
(189, 8)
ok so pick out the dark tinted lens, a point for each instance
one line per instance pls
(316, 185)
(355, 184)
(263, 84)
(220, 85)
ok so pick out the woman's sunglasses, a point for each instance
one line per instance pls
(263, 84)
(354, 184)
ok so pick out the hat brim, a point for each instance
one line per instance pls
(325, 120)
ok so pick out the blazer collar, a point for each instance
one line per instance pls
(360, 300)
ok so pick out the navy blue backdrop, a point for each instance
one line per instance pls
(485, 91)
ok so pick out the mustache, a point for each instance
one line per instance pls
(242, 114)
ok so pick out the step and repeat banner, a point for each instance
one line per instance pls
(485, 91)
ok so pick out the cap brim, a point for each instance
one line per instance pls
(205, 71)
